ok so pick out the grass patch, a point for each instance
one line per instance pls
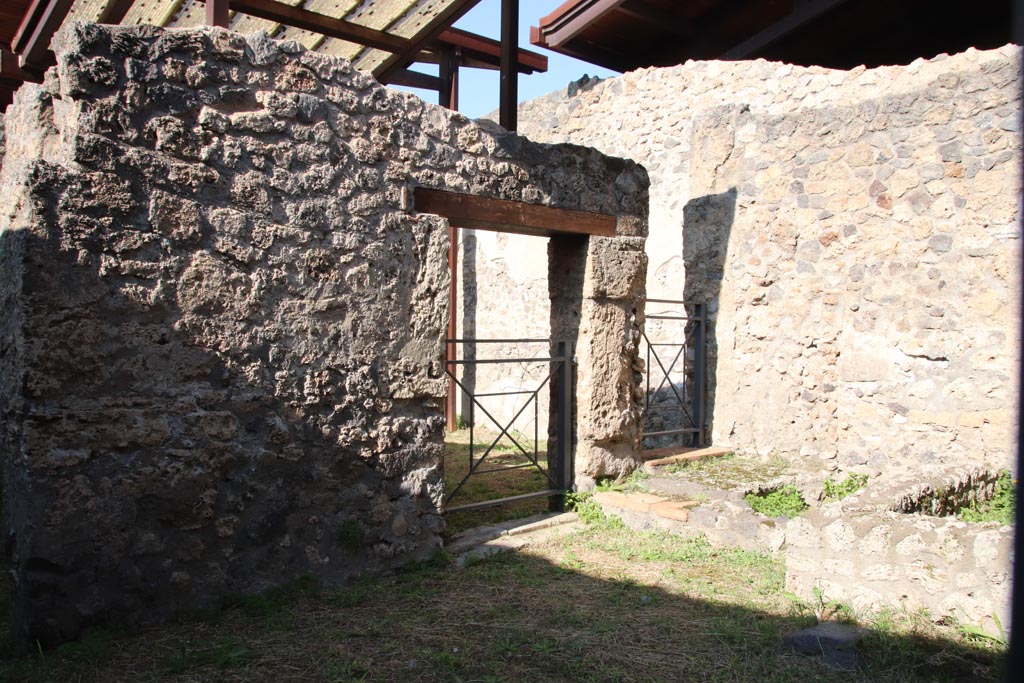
(837, 490)
(785, 500)
(999, 508)
(229, 653)
(605, 604)
(634, 481)
(728, 471)
(492, 485)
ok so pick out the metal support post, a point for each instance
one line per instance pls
(509, 103)
(217, 13)
(699, 372)
(564, 476)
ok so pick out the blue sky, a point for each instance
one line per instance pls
(478, 88)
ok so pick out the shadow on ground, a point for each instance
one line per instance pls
(604, 605)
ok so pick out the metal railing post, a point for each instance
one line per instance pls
(699, 370)
(565, 475)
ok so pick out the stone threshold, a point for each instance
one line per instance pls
(514, 534)
(659, 457)
(646, 503)
(686, 508)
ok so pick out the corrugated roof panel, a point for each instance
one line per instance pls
(417, 16)
(307, 39)
(339, 9)
(85, 10)
(340, 48)
(157, 12)
(399, 17)
(192, 14)
(381, 15)
(244, 23)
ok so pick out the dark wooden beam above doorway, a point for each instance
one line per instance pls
(502, 215)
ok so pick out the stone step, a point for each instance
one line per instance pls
(511, 535)
(644, 503)
(724, 517)
(659, 457)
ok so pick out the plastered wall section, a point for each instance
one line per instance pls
(222, 326)
(503, 294)
(855, 236)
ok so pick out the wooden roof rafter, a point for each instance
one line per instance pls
(387, 43)
(315, 22)
(115, 11)
(32, 41)
(444, 19)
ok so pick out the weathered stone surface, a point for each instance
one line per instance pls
(608, 405)
(856, 242)
(221, 324)
(616, 268)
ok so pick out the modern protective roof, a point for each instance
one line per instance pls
(628, 34)
(380, 36)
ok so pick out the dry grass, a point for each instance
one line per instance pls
(727, 472)
(489, 486)
(604, 605)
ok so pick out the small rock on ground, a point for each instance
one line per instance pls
(834, 642)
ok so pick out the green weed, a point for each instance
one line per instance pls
(837, 490)
(94, 647)
(978, 633)
(590, 511)
(1000, 508)
(350, 535)
(345, 671)
(776, 502)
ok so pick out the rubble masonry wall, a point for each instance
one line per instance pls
(855, 236)
(222, 324)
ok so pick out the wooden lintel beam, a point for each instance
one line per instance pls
(442, 20)
(468, 59)
(115, 11)
(503, 215)
(32, 41)
(321, 23)
(415, 79)
(802, 15)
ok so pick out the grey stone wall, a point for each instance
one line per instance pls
(222, 324)
(873, 559)
(855, 236)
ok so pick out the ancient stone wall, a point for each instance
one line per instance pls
(855, 236)
(222, 323)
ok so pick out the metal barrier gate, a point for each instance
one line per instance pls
(559, 473)
(676, 405)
